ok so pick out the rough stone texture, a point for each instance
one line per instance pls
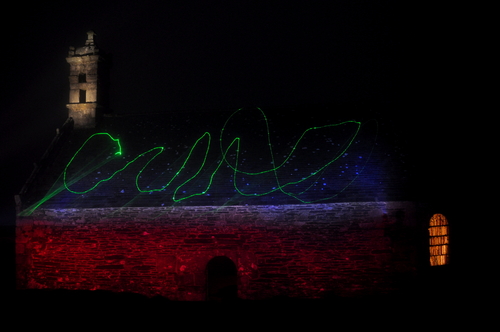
(304, 251)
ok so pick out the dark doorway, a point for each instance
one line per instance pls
(221, 279)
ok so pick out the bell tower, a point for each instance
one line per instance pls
(85, 83)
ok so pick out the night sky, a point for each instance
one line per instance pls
(209, 55)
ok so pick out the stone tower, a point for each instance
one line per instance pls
(85, 80)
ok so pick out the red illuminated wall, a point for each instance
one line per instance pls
(306, 251)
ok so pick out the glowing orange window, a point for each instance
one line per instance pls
(439, 240)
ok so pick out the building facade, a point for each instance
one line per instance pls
(213, 206)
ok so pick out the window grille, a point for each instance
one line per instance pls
(439, 240)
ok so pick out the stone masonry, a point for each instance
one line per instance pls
(302, 251)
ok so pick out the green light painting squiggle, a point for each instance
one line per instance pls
(230, 156)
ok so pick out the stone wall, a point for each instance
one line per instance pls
(304, 251)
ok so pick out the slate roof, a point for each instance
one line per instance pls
(281, 156)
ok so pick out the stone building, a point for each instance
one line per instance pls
(250, 204)
(88, 83)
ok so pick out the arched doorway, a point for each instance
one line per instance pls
(221, 279)
(439, 240)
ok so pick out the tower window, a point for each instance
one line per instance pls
(82, 78)
(83, 96)
(438, 240)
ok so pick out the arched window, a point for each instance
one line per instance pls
(439, 240)
(221, 279)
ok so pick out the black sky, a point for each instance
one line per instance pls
(205, 55)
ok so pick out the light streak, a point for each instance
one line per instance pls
(204, 144)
